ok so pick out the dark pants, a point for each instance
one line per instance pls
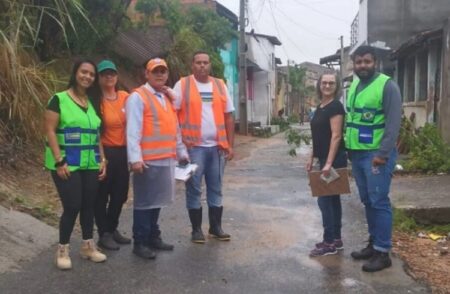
(113, 191)
(330, 206)
(145, 225)
(77, 195)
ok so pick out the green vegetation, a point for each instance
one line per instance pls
(196, 29)
(405, 223)
(295, 138)
(280, 121)
(34, 35)
(26, 83)
(427, 151)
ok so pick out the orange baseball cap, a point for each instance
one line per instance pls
(156, 62)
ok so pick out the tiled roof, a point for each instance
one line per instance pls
(139, 45)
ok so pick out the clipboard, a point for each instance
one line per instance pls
(183, 173)
(320, 188)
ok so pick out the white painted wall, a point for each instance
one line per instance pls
(362, 26)
(261, 51)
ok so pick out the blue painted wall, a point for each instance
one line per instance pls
(229, 57)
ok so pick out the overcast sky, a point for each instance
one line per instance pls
(307, 29)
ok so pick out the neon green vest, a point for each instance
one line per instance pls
(77, 135)
(365, 117)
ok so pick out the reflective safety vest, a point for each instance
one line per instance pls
(159, 133)
(77, 135)
(365, 116)
(190, 113)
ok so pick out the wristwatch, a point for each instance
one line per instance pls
(61, 162)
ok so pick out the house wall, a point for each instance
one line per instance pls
(362, 23)
(395, 21)
(261, 52)
(229, 57)
(418, 75)
(444, 105)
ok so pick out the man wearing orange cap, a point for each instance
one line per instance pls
(154, 143)
(205, 113)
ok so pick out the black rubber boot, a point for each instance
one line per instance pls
(106, 241)
(195, 215)
(158, 244)
(364, 253)
(120, 239)
(378, 262)
(143, 251)
(215, 224)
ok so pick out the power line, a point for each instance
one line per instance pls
(278, 30)
(276, 27)
(321, 12)
(307, 29)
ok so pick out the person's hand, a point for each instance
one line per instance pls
(102, 170)
(326, 170)
(309, 164)
(168, 92)
(183, 161)
(376, 161)
(229, 154)
(137, 167)
(63, 171)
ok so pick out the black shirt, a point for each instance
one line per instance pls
(53, 105)
(321, 128)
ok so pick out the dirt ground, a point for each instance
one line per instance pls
(425, 260)
(26, 186)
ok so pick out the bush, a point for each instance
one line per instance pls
(428, 152)
(295, 138)
(284, 124)
(293, 118)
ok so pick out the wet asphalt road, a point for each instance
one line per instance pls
(274, 222)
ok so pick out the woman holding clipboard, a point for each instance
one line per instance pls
(328, 147)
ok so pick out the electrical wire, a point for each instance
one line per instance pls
(279, 34)
(321, 12)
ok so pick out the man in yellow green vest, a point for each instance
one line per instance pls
(372, 127)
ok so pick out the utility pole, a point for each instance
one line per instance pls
(341, 63)
(243, 127)
(288, 100)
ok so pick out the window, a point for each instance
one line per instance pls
(422, 61)
(409, 85)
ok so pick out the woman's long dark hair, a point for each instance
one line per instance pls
(93, 92)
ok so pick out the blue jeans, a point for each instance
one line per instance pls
(330, 206)
(145, 225)
(211, 164)
(373, 186)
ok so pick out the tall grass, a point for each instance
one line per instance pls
(25, 84)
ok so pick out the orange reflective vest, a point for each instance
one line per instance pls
(159, 133)
(190, 113)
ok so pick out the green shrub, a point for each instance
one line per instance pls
(428, 152)
(293, 118)
(284, 124)
(295, 138)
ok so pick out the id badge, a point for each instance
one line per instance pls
(72, 136)
(365, 135)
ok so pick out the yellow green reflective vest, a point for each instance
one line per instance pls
(77, 135)
(365, 117)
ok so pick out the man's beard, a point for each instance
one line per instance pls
(365, 74)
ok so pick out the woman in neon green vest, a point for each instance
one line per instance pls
(74, 156)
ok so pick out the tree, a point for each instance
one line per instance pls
(297, 76)
(24, 82)
(196, 29)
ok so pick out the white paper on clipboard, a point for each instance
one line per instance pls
(183, 173)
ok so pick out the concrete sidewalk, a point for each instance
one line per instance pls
(425, 198)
